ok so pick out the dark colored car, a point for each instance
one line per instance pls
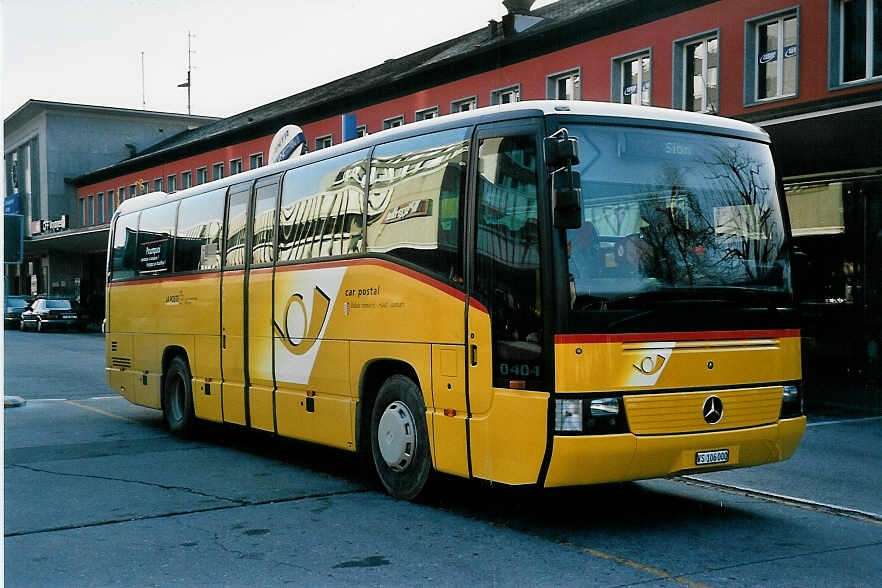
(14, 307)
(53, 313)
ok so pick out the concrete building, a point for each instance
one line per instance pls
(46, 144)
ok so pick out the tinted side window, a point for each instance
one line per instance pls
(507, 257)
(156, 238)
(322, 208)
(416, 195)
(266, 194)
(125, 247)
(200, 221)
(237, 225)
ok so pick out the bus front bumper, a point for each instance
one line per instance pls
(595, 459)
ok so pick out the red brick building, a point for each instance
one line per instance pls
(808, 71)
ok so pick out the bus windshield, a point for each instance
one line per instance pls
(673, 215)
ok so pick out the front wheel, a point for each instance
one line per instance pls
(400, 438)
(177, 398)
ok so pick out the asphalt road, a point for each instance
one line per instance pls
(97, 493)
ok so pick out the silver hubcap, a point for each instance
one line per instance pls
(397, 436)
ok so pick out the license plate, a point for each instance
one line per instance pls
(70, 316)
(706, 457)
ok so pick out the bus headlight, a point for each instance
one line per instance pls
(791, 402)
(604, 407)
(568, 414)
(589, 416)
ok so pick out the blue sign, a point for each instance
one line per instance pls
(12, 204)
(350, 127)
(768, 56)
(791, 51)
(630, 89)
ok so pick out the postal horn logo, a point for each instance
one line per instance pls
(299, 332)
(649, 365)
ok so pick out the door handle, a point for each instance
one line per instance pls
(224, 341)
(474, 354)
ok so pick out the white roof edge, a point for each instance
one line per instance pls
(546, 107)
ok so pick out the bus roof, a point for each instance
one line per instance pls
(606, 112)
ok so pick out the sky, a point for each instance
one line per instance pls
(246, 53)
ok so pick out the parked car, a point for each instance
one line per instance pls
(14, 307)
(48, 313)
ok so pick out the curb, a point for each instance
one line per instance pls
(13, 401)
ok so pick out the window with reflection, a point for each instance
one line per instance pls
(507, 271)
(200, 222)
(417, 190)
(237, 226)
(123, 259)
(670, 215)
(263, 231)
(156, 238)
(322, 208)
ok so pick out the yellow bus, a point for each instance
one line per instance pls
(543, 293)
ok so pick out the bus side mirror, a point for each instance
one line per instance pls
(561, 150)
(566, 199)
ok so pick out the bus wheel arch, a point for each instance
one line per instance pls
(392, 430)
(176, 392)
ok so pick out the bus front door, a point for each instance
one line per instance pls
(505, 337)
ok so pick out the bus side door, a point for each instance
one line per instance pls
(233, 326)
(259, 305)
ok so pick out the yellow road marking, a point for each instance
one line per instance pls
(99, 411)
(657, 572)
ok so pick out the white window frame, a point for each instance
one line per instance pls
(513, 90)
(837, 49)
(427, 113)
(679, 78)
(201, 175)
(324, 141)
(393, 122)
(551, 82)
(171, 183)
(85, 211)
(238, 162)
(188, 175)
(111, 203)
(751, 56)
(157, 184)
(91, 209)
(214, 167)
(133, 190)
(121, 194)
(456, 105)
(361, 131)
(617, 88)
(255, 157)
(99, 205)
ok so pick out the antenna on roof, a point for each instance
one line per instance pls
(187, 84)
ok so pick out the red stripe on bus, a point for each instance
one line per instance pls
(437, 284)
(675, 336)
(183, 278)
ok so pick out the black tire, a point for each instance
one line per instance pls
(177, 398)
(405, 469)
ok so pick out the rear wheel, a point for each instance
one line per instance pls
(400, 438)
(177, 398)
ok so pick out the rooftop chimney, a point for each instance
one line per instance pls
(518, 6)
(518, 18)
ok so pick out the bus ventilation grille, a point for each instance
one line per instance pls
(113, 345)
(122, 362)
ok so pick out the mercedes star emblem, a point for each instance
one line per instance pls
(712, 410)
